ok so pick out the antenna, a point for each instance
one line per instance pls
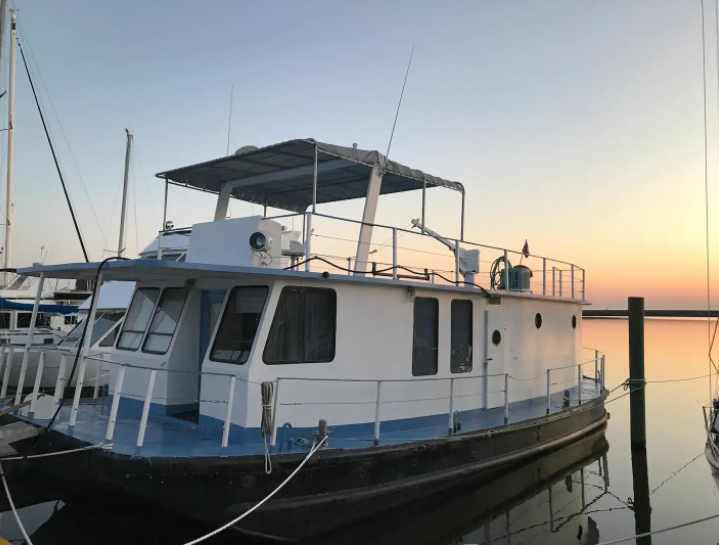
(396, 115)
(229, 119)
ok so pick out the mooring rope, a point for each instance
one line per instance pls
(58, 453)
(647, 534)
(14, 510)
(267, 425)
(234, 521)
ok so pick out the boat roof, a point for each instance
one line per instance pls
(282, 175)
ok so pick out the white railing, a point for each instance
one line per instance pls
(557, 380)
(400, 253)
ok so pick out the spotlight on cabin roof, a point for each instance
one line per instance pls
(246, 149)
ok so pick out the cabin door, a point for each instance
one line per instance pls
(210, 311)
(495, 343)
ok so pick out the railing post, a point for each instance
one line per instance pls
(544, 276)
(602, 373)
(560, 281)
(596, 366)
(28, 341)
(308, 240)
(579, 384)
(3, 349)
(6, 376)
(96, 386)
(115, 403)
(506, 398)
(394, 253)
(451, 406)
(456, 262)
(572, 281)
(38, 379)
(78, 390)
(584, 285)
(554, 289)
(60, 383)
(228, 416)
(378, 402)
(506, 271)
(275, 407)
(146, 408)
(349, 266)
(549, 392)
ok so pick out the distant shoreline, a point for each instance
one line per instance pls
(594, 313)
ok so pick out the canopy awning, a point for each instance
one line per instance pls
(282, 175)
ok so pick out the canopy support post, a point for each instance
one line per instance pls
(314, 184)
(461, 229)
(223, 202)
(424, 203)
(164, 222)
(370, 209)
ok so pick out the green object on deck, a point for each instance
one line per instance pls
(638, 427)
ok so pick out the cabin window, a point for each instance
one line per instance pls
(164, 321)
(240, 321)
(43, 319)
(461, 356)
(103, 323)
(71, 319)
(304, 327)
(23, 320)
(425, 336)
(138, 316)
(5, 320)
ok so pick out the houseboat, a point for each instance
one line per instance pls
(401, 362)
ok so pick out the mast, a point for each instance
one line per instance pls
(7, 254)
(128, 150)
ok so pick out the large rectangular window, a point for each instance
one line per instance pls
(461, 356)
(138, 316)
(304, 327)
(425, 336)
(164, 321)
(240, 321)
(23, 320)
(5, 320)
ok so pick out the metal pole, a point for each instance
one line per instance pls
(228, 416)
(506, 398)
(394, 254)
(451, 406)
(638, 430)
(7, 254)
(308, 241)
(461, 232)
(84, 351)
(38, 379)
(549, 393)
(6, 377)
(583, 284)
(28, 341)
(123, 210)
(115, 403)
(544, 276)
(146, 408)
(506, 271)
(314, 184)
(424, 203)
(60, 383)
(376, 413)
(164, 222)
(596, 369)
(554, 269)
(560, 281)
(3, 349)
(602, 373)
(579, 384)
(456, 262)
(572, 281)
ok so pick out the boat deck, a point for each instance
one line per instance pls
(168, 436)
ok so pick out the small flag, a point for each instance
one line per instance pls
(525, 248)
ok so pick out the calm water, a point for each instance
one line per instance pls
(583, 494)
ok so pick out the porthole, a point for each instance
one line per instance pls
(496, 337)
(574, 322)
(538, 320)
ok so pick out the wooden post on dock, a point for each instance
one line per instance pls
(637, 415)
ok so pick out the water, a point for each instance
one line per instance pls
(582, 494)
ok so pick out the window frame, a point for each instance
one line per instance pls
(228, 298)
(435, 301)
(332, 356)
(452, 367)
(147, 325)
(159, 301)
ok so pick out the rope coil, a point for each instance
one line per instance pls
(268, 422)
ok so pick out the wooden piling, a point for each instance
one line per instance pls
(638, 428)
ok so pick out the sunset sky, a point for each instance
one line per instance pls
(577, 125)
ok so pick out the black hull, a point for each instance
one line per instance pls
(336, 488)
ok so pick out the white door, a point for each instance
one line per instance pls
(495, 343)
